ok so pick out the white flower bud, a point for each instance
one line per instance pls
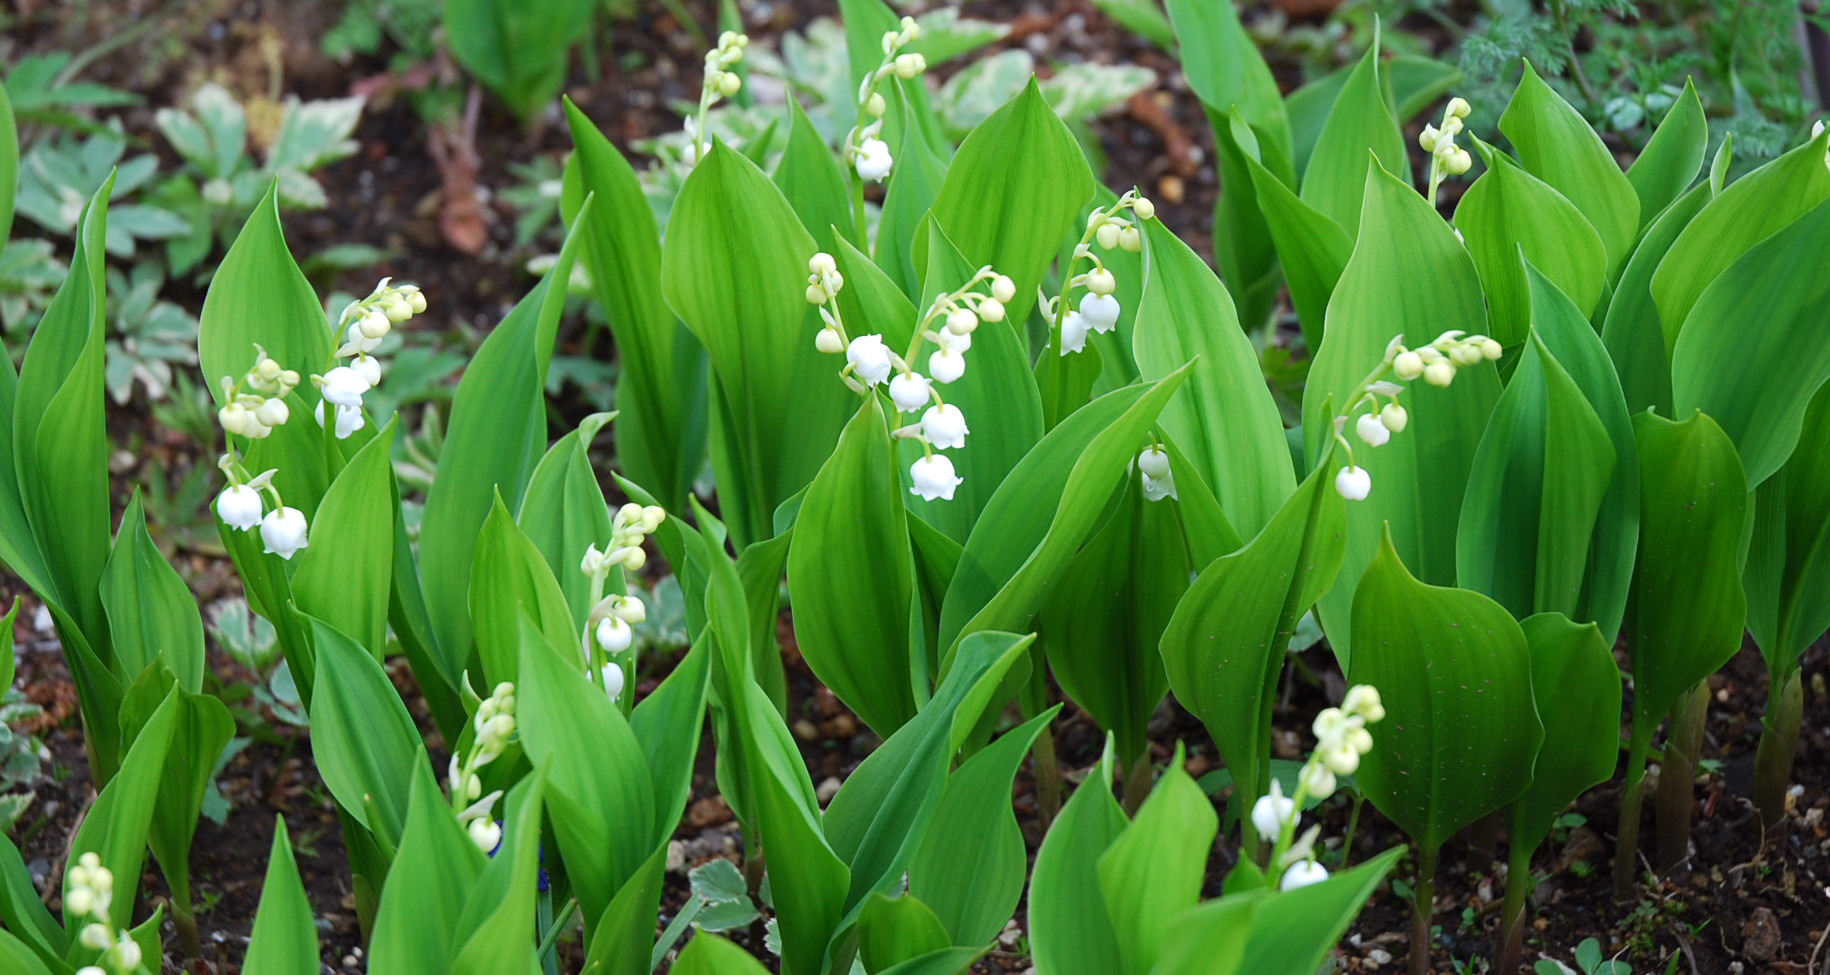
(729, 83)
(369, 367)
(272, 412)
(1459, 108)
(934, 478)
(1316, 780)
(1353, 483)
(991, 310)
(816, 295)
(235, 418)
(1428, 138)
(1491, 350)
(828, 341)
(613, 681)
(78, 903)
(910, 65)
(485, 834)
(1100, 311)
(634, 558)
(910, 391)
(1394, 417)
(283, 532)
(1301, 874)
(961, 321)
(239, 507)
(1101, 282)
(1340, 757)
(416, 300)
(1130, 240)
(1358, 739)
(1439, 373)
(1371, 430)
(869, 358)
(1408, 366)
(958, 342)
(90, 970)
(375, 323)
(875, 105)
(1143, 208)
(1458, 162)
(614, 635)
(629, 609)
(1107, 235)
(946, 365)
(126, 953)
(344, 386)
(1363, 700)
(944, 426)
(873, 160)
(1073, 332)
(1153, 462)
(1270, 812)
(95, 937)
(1003, 289)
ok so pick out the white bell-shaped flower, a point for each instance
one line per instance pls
(1073, 332)
(1363, 700)
(1301, 874)
(1394, 417)
(960, 342)
(934, 478)
(1340, 756)
(1407, 366)
(828, 341)
(1317, 781)
(239, 507)
(1154, 462)
(344, 386)
(1159, 488)
(1354, 483)
(1100, 311)
(614, 635)
(613, 681)
(273, 412)
(1271, 811)
(944, 426)
(910, 391)
(873, 160)
(1372, 430)
(283, 532)
(485, 834)
(946, 365)
(369, 367)
(870, 359)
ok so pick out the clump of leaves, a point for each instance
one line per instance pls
(148, 335)
(1588, 960)
(20, 758)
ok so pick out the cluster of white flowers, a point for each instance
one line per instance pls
(1097, 310)
(361, 329)
(610, 626)
(948, 323)
(1341, 738)
(495, 725)
(1435, 364)
(257, 403)
(720, 82)
(864, 147)
(1153, 466)
(1446, 158)
(89, 894)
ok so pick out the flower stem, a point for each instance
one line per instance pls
(1512, 913)
(1676, 788)
(1785, 707)
(1423, 905)
(1626, 853)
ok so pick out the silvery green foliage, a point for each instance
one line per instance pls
(212, 137)
(1077, 92)
(148, 336)
(29, 273)
(19, 758)
(57, 177)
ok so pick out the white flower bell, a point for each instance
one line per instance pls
(614, 635)
(485, 834)
(239, 507)
(283, 532)
(1154, 462)
(1372, 430)
(944, 426)
(947, 365)
(613, 681)
(1316, 780)
(1354, 483)
(873, 160)
(1100, 311)
(870, 359)
(344, 386)
(1073, 332)
(1301, 874)
(910, 391)
(934, 478)
(1271, 812)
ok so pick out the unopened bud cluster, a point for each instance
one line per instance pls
(948, 324)
(720, 82)
(1435, 364)
(1446, 158)
(361, 328)
(88, 894)
(610, 626)
(630, 527)
(495, 728)
(864, 147)
(1097, 309)
(257, 403)
(1341, 739)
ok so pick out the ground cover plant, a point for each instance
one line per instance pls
(869, 537)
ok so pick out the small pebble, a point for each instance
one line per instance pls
(828, 788)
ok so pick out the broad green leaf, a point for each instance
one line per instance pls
(1312, 248)
(872, 301)
(970, 868)
(1454, 673)
(200, 730)
(417, 927)
(1412, 83)
(18, 955)
(119, 822)
(600, 791)
(1361, 121)
(1753, 366)
(502, 908)
(285, 937)
(851, 575)
(1752, 209)
(1012, 192)
(1537, 485)
(1635, 339)
(1224, 648)
(8, 663)
(1557, 145)
(23, 913)
(259, 297)
(808, 879)
(1043, 511)
(914, 184)
(152, 616)
(365, 743)
(1785, 563)
(1672, 158)
(1223, 418)
(1295, 932)
(660, 389)
(1153, 871)
(734, 267)
(510, 582)
(622, 938)
(564, 513)
(492, 444)
(1576, 686)
(1687, 612)
(1210, 938)
(519, 50)
(1142, 17)
(1408, 277)
(668, 723)
(815, 185)
(347, 572)
(708, 954)
(894, 930)
(1508, 211)
(1070, 931)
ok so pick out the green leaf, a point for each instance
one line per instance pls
(1414, 83)
(1576, 687)
(1754, 366)
(1454, 673)
(914, 184)
(1752, 209)
(417, 927)
(891, 931)
(1153, 871)
(23, 913)
(622, 938)
(200, 730)
(970, 868)
(734, 268)
(1361, 121)
(119, 822)
(363, 739)
(1070, 931)
(259, 296)
(1223, 417)
(9, 166)
(285, 937)
(668, 723)
(1312, 248)
(564, 513)
(501, 910)
(1012, 193)
(1224, 648)
(815, 185)
(1295, 932)
(1636, 340)
(708, 954)
(1558, 146)
(152, 616)
(519, 50)
(1686, 616)
(1408, 275)
(660, 391)
(510, 582)
(1672, 158)
(492, 444)
(850, 575)
(1785, 562)
(347, 572)
(1508, 211)
(19, 956)
(1210, 938)
(1537, 485)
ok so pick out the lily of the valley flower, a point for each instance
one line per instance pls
(1301, 874)
(239, 507)
(1100, 312)
(1159, 483)
(343, 386)
(614, 635)
(947, 365)
(1271, 812)
(1372, 429)
(1353, 483)
(910, 391)
(869, 359)
(934, 478)
(874, 161)
(283, 532)
(1073, 332)
(944, 426)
